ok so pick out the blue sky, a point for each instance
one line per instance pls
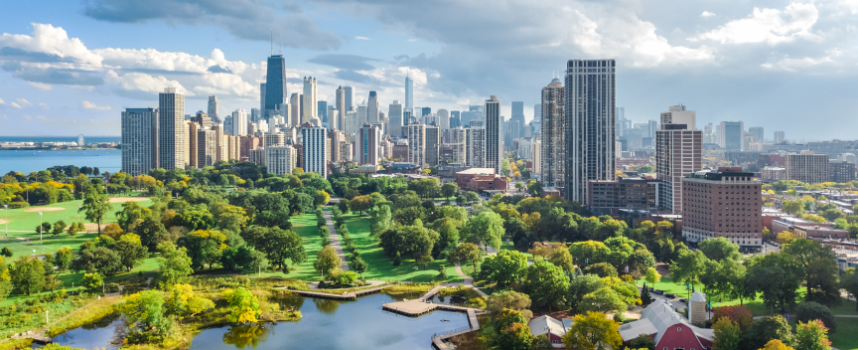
(70, 67)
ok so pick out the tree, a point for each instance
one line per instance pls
(466, 253)
(642, 341)
(359, 265)
(775, 344)
(204, 247)
(652, 276)
(541, 342)
(130, 213)
(728, 336)
(689, 267)
(777, 277)
(64, 258)
(723, 278)
(589, 252)
(808, 311)
(381, 221)
(326, 260)
(130, 251)
(449, 189)
(766, 329)
(243, 305)
(579, 287)
(6, 252)
(151, 232)
(485, 228)
(849, 282)
(75, 228)
(93, 282)
(27, 275)
(562, 258)
(820, 270)
(145, 312)
(284, 244)
(511, 300)
(546, 284)
(514, 337)
(95, 206)
(593, 331)
(719, 249)
(59, 227)
(505, 267)
(736, 313)
(795, 208)
(360, 204)
(812, 336)
(174, 264)
(98, 259)
(472, 197)
(113, 230)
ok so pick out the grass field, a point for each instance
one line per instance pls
(381, 267)
(846, 337)
(22, 224)
(305, 226)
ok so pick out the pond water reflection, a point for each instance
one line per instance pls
(99, 334)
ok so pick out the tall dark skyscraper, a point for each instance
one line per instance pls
(426, 111)
(275, 83)
(590, 124)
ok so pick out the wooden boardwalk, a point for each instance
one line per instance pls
(345, 296)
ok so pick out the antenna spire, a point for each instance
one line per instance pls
(272, 42)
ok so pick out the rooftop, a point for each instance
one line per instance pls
(477, 171)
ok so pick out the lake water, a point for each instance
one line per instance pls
(95, 335)
(26, 161)
(326, 325)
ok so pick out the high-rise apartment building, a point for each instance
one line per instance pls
(553, 135)
(171, 130)
(139, 140)
(207, 147)
(494, 134)
(780, 137)
(536, 149)
(725, 203)
(758, 133)
(309, 100)
(315, 153)
(213, 109)
(349, 93)
(679, 115)
(417, 144)
(409, 92)
(807, 167)
(338, 123)
(731, 135)
(590, 130)
(476, 141)
(238, 124)
(275, 84)
(678, 153)
(281, 159)
(335, 137)
(433, 145)
(443, 119)
(372, 115)
(841, 172)
(295, 109)
(369, 137)
(394, 112)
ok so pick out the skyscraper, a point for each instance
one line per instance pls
(494, 134)
(417, 144)
(731, 135)
(678, 115)
(476, 144)
(621, 121)
(295, 110)
(309, 106)
(369, 137)
(322, 111)
(678, 154)
(315, 153)
(171, 129)
(537, 112)
(590, 131)
(443, 119)
(350, 97)
(275, 84)
(780, 137)
(433, 145)
(281, 159)
(372, 115)
(239, 123)
(213, 109)
(455, 119)
(262, 91)
(409, 92)
(394, 112)
(758, 133)
(553, 135)
(341, 108)
(139, 140)
(517, 119)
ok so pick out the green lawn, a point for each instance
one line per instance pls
(22, 223)
(305, 226)
(381, 267)
(846, 337)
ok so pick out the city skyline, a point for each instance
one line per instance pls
(54, 100)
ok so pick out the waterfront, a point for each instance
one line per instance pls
(26, 161)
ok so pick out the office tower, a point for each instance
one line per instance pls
(709, 134)
(553, 135)
(678, 153)
(281, 159)
(679, 115)
(322, 110)
(262, 92)
(443, 119)
(590, 133)
(171, 129)
(536, 149)
(494, 134)
(738, 219)
(807, 167)
(213, 109)
(315, 153)
(203, 120)
(369, 137)
(342, 108)
(758, 133)
(295, 109)
(396, 121)
(139, 140)
(275, 84)
(417, 144)
(731, 135)
(255, 115)
(408, 117)
(372, 116)
(361, 116)
(350, 122)
(308, 102)
(537, 112)
(476, 141)
(841, 172)
(336, 137)
(236, 124)
(455, 119)
(621, 121)
(517, 116)
(780, 137)
(652, 127)
(349, 92)
(424, 111)
(432, 145)
(747, 140)
(409, 92)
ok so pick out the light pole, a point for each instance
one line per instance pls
(40, 228)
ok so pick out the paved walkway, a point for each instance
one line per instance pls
(335, 240)
(469, 282)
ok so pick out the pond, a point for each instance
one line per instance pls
(326, 324)
(99, 334)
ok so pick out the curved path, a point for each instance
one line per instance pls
(335, 240)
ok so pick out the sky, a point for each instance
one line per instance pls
(71, 67)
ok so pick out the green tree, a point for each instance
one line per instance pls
(579, 287)
(98, 259)
(130, 213)
(282, 245)
(144, 311)
(809, 311)
(512, 300)
(505, 267)
(27, 275)
(728, 336)
(589, 252)
(775, 344)
(546, 284)
(359, 265)
(849, 282)
(593, 331)
(243, 305)
(326, 260)
(515, 337)
(204, 247)
(723, 278)
(777, 277)
(812, 336)
(689, 267)
(795, 208)
(95, 206)
(485, 228)
(767, 329)
(472, 197)
(64, 258)
(151, 231)
(59, 227)
(652, 276)
(449, 189)
(130, 251)
(562, 258)
(6, 252)
(93, 282)
(466, 253)
(819, 265)
(174, 264)
(642, 341)
(719, 249)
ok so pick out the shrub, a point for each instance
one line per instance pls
(92, 282)
(18, 205)
(112, 287)
(736, 313)
(442, 272)
(44, 228)
(601, 269)
(810, 311)
(325, 242)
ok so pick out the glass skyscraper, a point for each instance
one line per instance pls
(275, 83)
(409, 93)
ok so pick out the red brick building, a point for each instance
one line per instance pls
(668, 329)
(480, 179)
(724, 203)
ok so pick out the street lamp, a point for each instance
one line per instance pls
(40, 228)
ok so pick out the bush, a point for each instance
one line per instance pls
(18, 205)
(602, 269)
(810, 311)
(442, 272)
(642, 341)
(325, 242)
(112, 287)
(44, 228)
(92, 282)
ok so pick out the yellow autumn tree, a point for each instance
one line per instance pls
(243, 304)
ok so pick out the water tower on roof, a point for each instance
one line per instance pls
(81, 141)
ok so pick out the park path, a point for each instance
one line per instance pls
(335, 240)
(469, 282)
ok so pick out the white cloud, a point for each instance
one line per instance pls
(89, 105)
(790, 64)
(87, 88)
(41, 86)
(38, 117)
(851, 5)
(53, 41)
(361, 38)
(412, 40)
(44, 105)
(707, 14)
(20, 103)
(2, 102)
(145, 82)
(771, 26)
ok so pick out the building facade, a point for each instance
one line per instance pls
(275, 85)
(553, 135)
(139, 140)
(841, 172)
(606, 195)
(213, 110)
(725, 203)
(171, 130)
(494, 134)
(433, 145)
(678, 153)
(315, 154)
(369, 137)
(417, 144)
(310, 105)
(281, 159)
(807, 167)
(372, 115)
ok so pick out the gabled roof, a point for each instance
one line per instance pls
(545, 324)
(655, 319)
